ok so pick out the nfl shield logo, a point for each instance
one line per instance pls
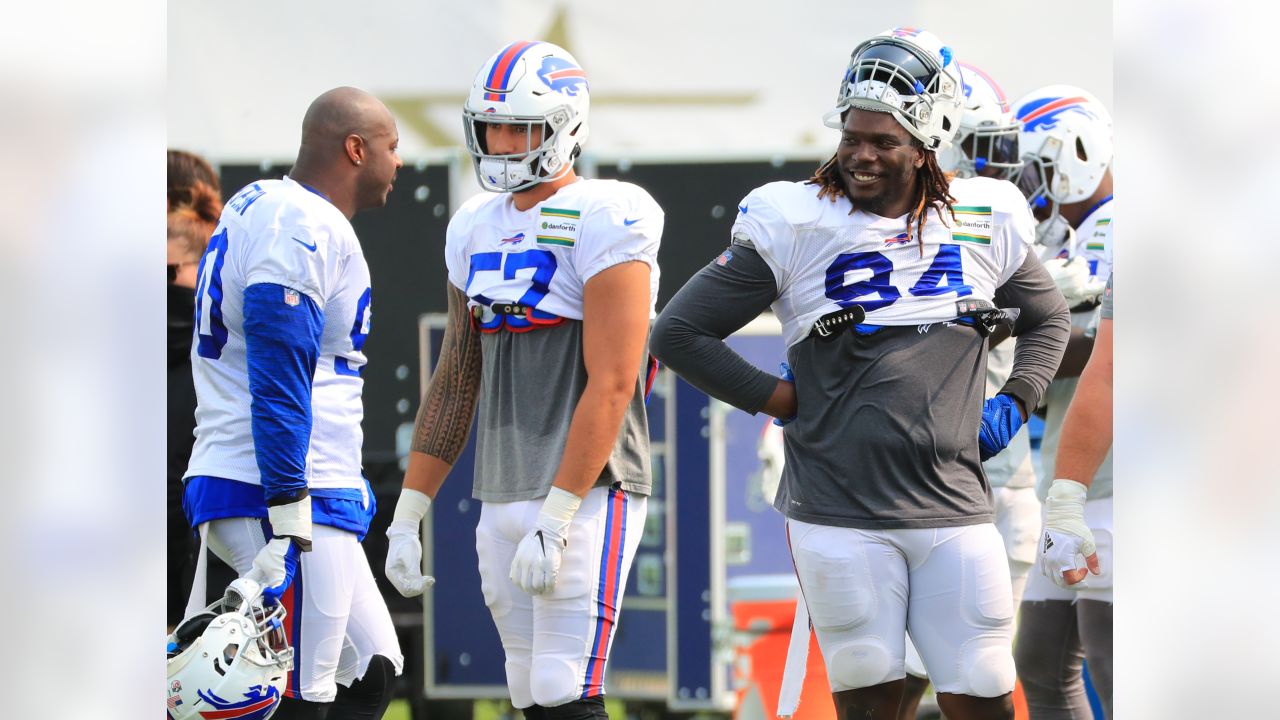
(291, 297)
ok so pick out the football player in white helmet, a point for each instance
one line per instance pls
(887, 277)
(552, 285)
(231, 660)
(987, 145)
(1067, 149)
(987, 142)
(274, 484)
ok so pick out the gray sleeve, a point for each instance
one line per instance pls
(689, 333)
(1042, 330)
(1108, 307)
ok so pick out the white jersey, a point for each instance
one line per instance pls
(825, 259)
(543, 257)
(280, 232)
(1092, 240)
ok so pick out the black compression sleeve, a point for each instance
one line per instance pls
(689, 333)
(1042, 330)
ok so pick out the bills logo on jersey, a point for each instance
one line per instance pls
(899, 239)
(258, 704)
(562, 76)
(1043, 113)
(513, 240)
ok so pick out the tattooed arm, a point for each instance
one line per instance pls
(449, 404)
(440, 434)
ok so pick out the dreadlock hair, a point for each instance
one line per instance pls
(933, 185)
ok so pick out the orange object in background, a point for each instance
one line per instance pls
(1020, 711)
(764, 631)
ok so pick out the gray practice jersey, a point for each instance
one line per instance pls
(887, 427)
(532, 382)
(541, 258)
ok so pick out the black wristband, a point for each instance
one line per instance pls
(289, 497)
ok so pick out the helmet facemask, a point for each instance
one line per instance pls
(234, 656)
(889, 74)
(988, 147)
(540, 87)
(1033, 178)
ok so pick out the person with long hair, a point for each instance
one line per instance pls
(888, 276)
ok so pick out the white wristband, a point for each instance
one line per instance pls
(411, 506)
(292, 520)
(558, 511)
(1063, 490)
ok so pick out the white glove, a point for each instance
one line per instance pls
(1066, 536)
(275, 564)
(537, 562)
(404, 544)
(1072, 277)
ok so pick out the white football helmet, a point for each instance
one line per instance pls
(1065, 139)
(987, 141)
(537, 85)
(911, 74)
(231, 660)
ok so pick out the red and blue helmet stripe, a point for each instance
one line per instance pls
(1043, 113)
(495, 85)
(1004, 101)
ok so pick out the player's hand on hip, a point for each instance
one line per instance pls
(404, 545)
(787, 377)
(1001, 420)
(536, 565)
(1066, 536)
(276, 563)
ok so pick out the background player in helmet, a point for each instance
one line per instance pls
(986, 145)
(1066, 145)
(888, 518)
(552, 287)
(274, 482)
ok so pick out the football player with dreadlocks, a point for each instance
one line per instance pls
(986, 145)
(887, 276)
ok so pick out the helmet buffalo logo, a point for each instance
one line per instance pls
(258, 704)
(562, 76)
(1043, 114)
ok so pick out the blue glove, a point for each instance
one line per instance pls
(791, 378)
(1000, 422)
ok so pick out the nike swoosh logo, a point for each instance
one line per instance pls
(629, 223)
(742, 209)
(311, 247)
